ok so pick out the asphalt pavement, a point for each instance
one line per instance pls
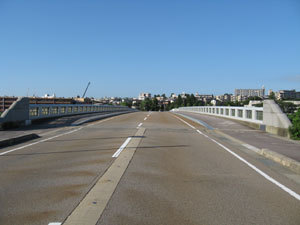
(178, 172)
(251, 136)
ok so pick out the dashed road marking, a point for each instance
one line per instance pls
(94, 203)
(117, 153)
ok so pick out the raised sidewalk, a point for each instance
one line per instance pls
(282, 150)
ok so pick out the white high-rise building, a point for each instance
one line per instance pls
(250, 92)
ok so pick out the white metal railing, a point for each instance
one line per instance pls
(38, 111)
(249, 114)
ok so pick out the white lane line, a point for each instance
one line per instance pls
(199, 132)
(286, 189)
(202, 133)
(41, 141)
(54, 223)
(140, 124)
(185, 122)
(92, 124)
(145, 118)
(117, 153)
(49, 132)
(266, 176)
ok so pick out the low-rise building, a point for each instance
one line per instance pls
(143, 96)
(288, 94)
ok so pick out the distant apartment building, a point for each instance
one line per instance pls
(174, 96)
(220, 98)
(288, 94)
(227, 97)
(250, 92)
(143, 96)
(205, 98)
(224, 98)
(270, 92)
(238, 98)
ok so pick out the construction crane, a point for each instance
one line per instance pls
(86, 89)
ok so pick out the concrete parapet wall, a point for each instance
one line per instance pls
(21, 112)
(275, 120)
(17, 112)
(269, 118)
(246, 114)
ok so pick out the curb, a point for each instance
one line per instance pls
(281, 159)
(17, 140)
(274, 156)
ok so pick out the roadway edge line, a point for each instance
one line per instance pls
(53, 137)
(282, 160)
(263, 174)
(91, 207)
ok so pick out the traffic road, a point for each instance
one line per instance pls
(165, 170)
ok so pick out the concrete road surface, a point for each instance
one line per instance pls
(177, 173)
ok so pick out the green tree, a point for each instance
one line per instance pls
(128, 104)
(146, 105)
(295, 128)
(193, 99)
(272, 95)
(179, 101)
(154, 105)
(287, 107)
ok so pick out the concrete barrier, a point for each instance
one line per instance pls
(275, 120)
(21, 112)
(18, 112)
(246, 114)
(268, 118)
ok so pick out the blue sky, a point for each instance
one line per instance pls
(127, 47)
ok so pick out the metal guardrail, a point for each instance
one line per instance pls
(39, 111)
(249, 114)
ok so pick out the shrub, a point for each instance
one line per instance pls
(295, 128)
